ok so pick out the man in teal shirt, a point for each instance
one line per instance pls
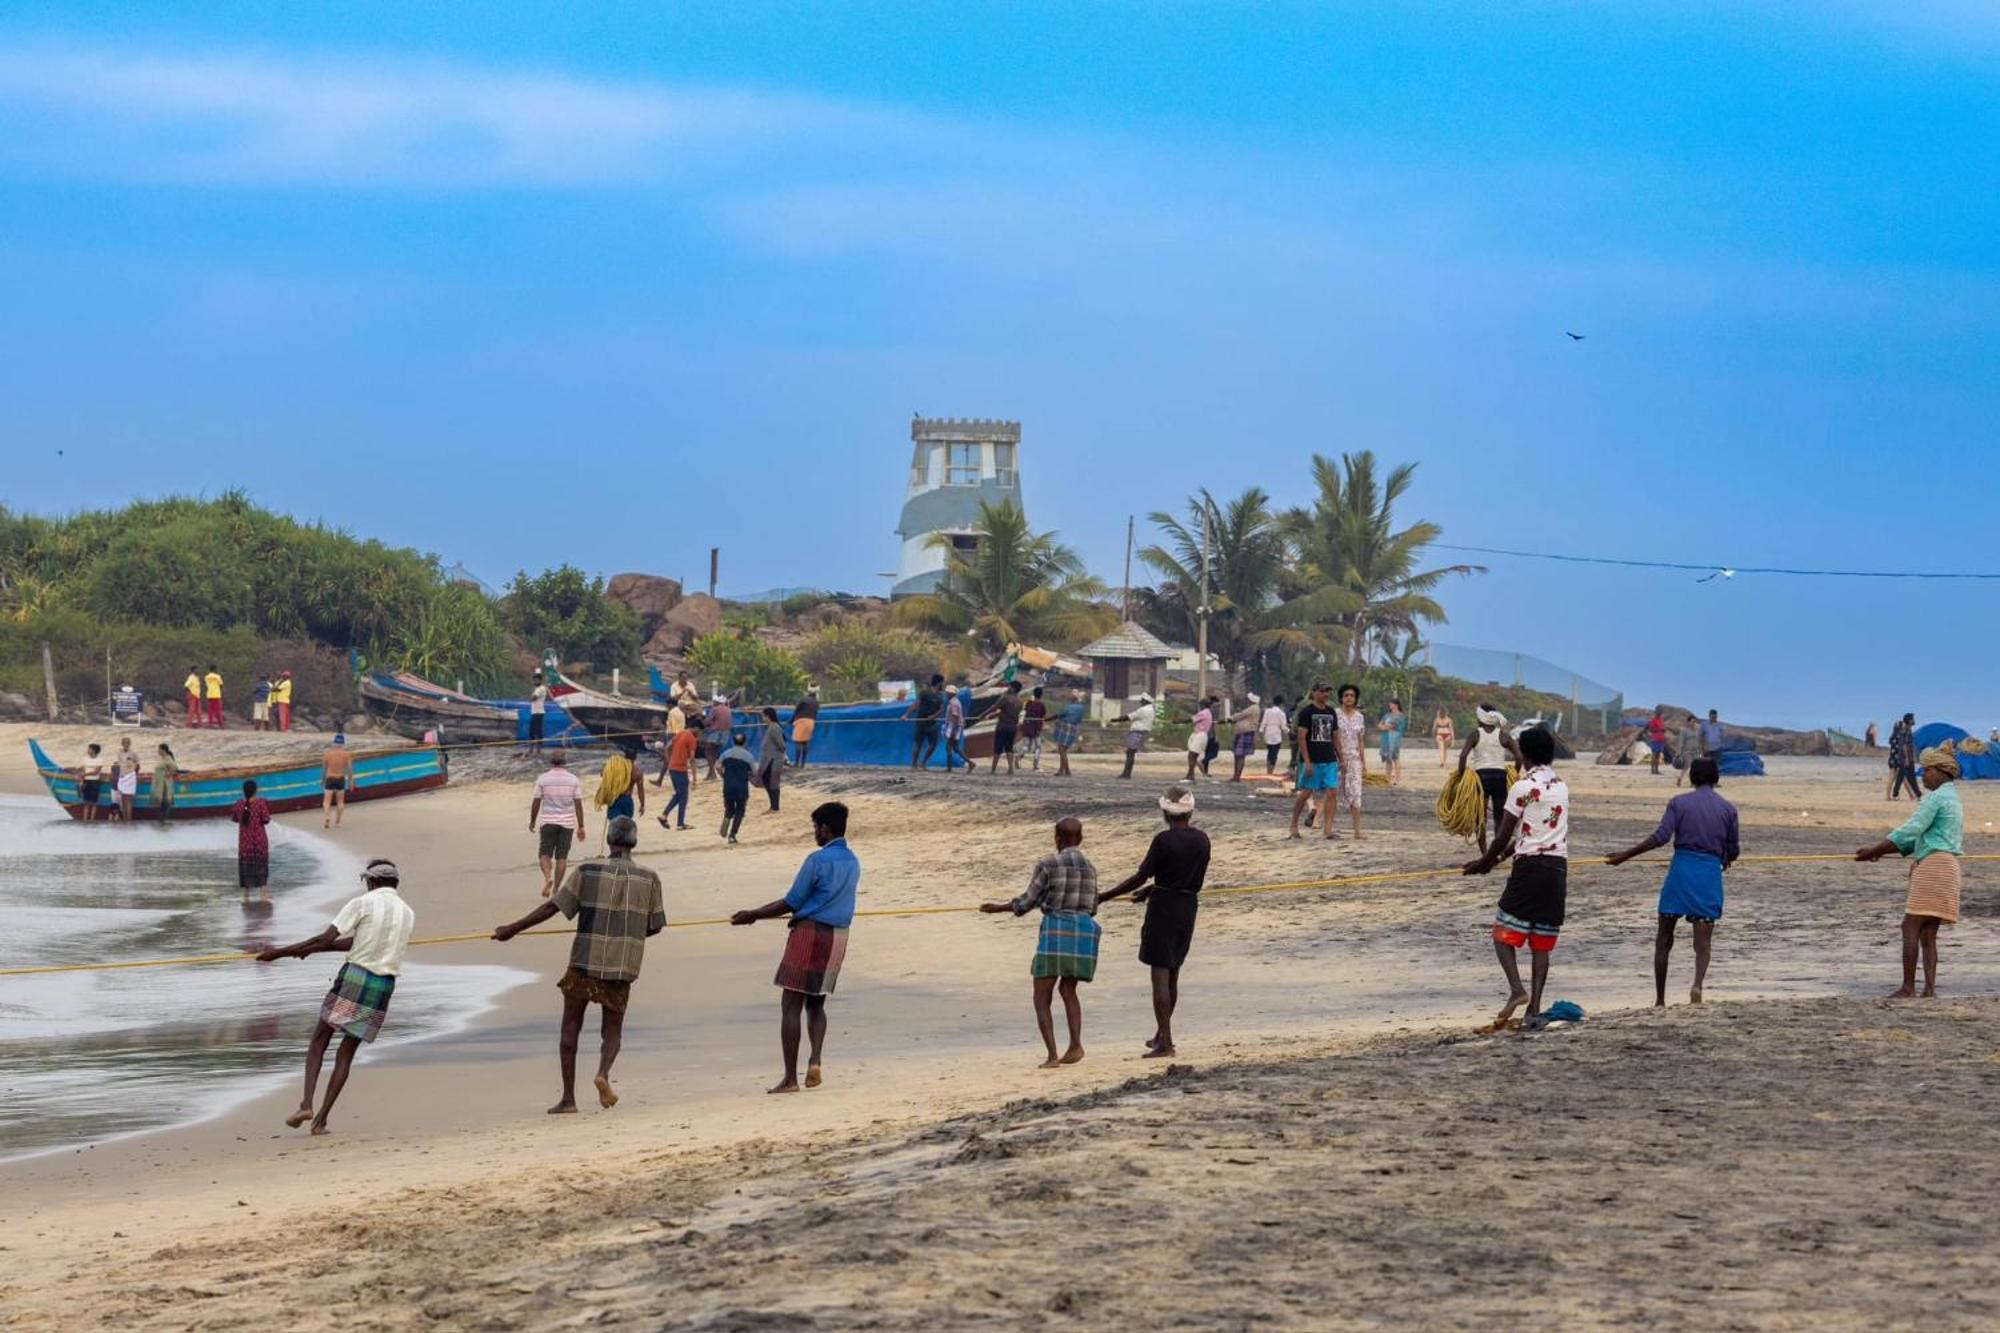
(1932, 837)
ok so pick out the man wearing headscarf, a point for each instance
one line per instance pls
(617, 907)
(1487, 752)
(1933, 838)
(1175, 868)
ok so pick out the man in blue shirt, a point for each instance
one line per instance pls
(821, 906)
(1711, 736)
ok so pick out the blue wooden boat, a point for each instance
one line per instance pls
(210, 792)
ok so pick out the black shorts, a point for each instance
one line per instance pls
(87, 790)
(535, 726)
(927, 730)
(1003, 742)
(336, 784)
(1494, 780)
(555, 841)
(1537, 890)
(1168, 933)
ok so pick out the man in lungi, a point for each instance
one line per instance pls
(805, 721)
(821, 906)
(1534, 830)
(1176, 865)
(1702, 828)
(1933, 838)
(617, 907)
(373, 930)
(1064, 886)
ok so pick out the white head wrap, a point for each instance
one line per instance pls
(383, 869)
(1178, 801)
(1489, 717)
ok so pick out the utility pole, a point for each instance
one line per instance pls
(1126, 608)
(1201, 620)
(714, 567)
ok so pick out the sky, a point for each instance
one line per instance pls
(524, 284)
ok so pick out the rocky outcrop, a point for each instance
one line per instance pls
(650, 597)
(691, 617)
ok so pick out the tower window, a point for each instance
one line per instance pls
(963, 466)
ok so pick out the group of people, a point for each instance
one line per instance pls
(270, 700)
(1025, 723)
(1695, 738)
(119, 775)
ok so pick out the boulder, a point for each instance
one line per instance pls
(693, 616)
(18, 706)
(650, 597)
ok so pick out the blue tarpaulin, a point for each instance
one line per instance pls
(1972, 767)
(1743, 763)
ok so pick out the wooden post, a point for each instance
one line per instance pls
(49, 678)
(714, 567)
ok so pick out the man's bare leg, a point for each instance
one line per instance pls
(315, 1057)
(610, 1036)
(790, 1007)
(1911, 930)
(1326, 810)
(1538, 977)
(572, 1032)
(343, 1059)
(1704, 937)
(548, 880)
(1299, 802)
(1073, 1012)
(326, 809)
(1517, 994)
(816, 1036)
(1927, 935)
(1045, 1022)
(1663, 948)
(1166, 994)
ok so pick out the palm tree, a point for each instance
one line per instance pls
(1015, 586)
(1348, 540)
(1253, 612)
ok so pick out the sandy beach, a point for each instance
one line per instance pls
(1392, 1169)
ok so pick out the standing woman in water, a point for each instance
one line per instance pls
(165, 770)
(253, 845)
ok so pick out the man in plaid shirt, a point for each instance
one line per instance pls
(616, 906)
(1064, 886)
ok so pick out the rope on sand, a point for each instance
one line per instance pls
(1283, 886)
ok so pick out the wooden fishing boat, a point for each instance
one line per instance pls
(615, 717)
(410, 706)
(210, 792)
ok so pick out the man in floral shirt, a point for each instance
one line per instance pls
(1535, 828)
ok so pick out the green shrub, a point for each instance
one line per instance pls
(566, 610)
(735, 661)
(839, 652)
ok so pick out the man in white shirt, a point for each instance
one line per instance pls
(556, 816)
(373, 930)
(538, 707)
(1271, 731)
(1138, 726)
(1534, 830)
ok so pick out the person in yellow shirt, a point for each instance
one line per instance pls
(212, 690)
(281, 701)
(193, 687)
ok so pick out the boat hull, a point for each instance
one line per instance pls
(211, 793)
(412, 715)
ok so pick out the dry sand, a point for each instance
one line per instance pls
(448, 1192)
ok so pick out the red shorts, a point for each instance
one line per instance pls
(1513, 932)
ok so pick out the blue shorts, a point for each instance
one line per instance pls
(1319, 777)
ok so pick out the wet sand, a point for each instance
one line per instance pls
(932, 1023)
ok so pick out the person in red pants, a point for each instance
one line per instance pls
(281, 702)
(212, 687)
(193, 687)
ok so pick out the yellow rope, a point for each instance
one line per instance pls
(1283, 886)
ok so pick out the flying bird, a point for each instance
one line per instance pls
(1573, 337)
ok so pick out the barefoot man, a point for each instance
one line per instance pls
(1176, 864)
(1702, 829)
(336, 774)
(1064, 886)
(1534, 829)
(1933, 838)
(555, 815)
(617, 907)
(821, 905)
(373, 930)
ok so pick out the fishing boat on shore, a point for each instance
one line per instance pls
(614, 717)
(208, 793)
(414, 707)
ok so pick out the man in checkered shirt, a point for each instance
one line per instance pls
(617, 906)
(1064, 886)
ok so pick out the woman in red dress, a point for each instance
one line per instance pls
(253, 846)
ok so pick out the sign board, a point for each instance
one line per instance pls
(128, 706)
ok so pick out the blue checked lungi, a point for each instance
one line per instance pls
(358, 1002)
(1066, 734)
(1068, 946)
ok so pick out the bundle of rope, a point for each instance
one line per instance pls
(1461, 803)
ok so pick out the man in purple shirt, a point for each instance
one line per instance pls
(1702, 829)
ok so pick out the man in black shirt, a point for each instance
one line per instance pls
(1315, 731)
(925, 708)
(1006, 725)
(1176, 865)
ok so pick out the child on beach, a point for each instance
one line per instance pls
(1702, 829)
(373, 930)
(1933, 838)
(1064, 886)
(1534, 829)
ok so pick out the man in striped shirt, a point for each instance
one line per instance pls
(1064, 886)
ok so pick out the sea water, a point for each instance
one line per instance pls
(90, 1056)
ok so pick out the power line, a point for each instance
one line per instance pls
(1716, 571)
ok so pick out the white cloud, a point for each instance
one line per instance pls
(266, 119)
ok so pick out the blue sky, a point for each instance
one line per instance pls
(520, 287)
